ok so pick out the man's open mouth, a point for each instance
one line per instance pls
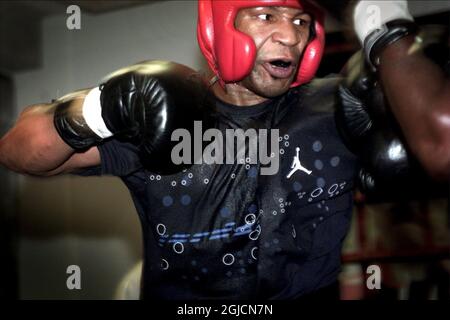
(281, 63)
(280, 68)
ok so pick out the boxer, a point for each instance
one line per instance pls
(215, 230)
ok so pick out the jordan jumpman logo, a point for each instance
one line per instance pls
(297, 166)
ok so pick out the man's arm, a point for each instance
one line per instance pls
(142, 104)
(34, 147)
(419, 95)
(416, 88)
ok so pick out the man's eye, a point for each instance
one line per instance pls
(300, 22)
(265, 17)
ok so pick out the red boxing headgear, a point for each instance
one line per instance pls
(231, 54)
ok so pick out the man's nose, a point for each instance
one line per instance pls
(286, 33)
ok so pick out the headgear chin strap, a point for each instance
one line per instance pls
(231, 54)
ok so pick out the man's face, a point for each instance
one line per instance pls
(280, 35)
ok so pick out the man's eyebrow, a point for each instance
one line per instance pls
(281, 9)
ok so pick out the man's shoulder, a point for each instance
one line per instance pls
(329, 83)
(321, 94)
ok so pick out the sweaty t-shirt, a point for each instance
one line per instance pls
(225, 231)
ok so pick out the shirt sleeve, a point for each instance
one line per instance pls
(117, 158)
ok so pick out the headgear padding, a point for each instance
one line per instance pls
(231, 54)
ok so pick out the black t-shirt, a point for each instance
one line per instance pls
(223, 231)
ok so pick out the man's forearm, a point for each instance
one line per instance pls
(33, 145)
(419, 95)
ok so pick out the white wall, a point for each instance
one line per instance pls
(76, 59)
(90, 222)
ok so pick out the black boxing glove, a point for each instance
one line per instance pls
(389, 170)
(143, 104)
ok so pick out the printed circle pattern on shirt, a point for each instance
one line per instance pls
(224, 231)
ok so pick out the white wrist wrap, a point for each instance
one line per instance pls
(372, 15)
(92, 113)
